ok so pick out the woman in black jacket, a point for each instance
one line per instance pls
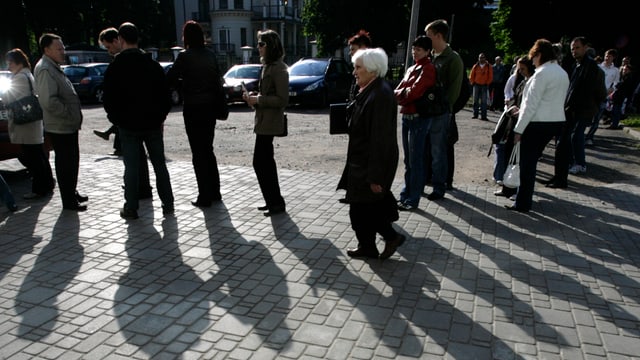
(197, 68)
(372, 157)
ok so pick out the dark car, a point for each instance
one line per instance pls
(176, 92)
(236, 75)
(319, 81)
(87, 79)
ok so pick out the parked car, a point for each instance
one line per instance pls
(176, 92)
(233, 78)
(319, 81)
(87, 79)
(5, 81)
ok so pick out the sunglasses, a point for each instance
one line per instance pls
(261, 43)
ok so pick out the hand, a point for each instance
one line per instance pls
(251, 100)
(516, 138)
(376, 188)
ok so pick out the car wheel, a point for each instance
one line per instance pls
(99, 95)
(175, 97)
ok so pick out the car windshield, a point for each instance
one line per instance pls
(252, 72)
(308, 68)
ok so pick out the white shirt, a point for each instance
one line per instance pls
(544, 95)
(508, 87)
(611, 75)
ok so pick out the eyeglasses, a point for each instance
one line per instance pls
(261, 43)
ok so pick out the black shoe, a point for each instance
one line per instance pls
(117, 153)
(32, 196)
(81, 198)
(391, 246)
(145, 195)
(263, 208)
(515, 208)
(362, 253)
(449, 187)
(406, 207)
(550, 181)
(102, 134)
(12, 207)
(474, 117)
(343, 201)
(199, 203)
(128, 214)
(435, 196)
(75, 207)
(275, 210)
(500, 193)
(555, 185)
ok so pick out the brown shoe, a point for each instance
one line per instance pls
(391, 246)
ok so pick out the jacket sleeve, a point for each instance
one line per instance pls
(280, 81)
(424, 81)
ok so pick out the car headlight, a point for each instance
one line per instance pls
(5, 84)
(313, 86)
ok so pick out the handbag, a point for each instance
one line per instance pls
(338, 119)
(285, 130)
(511, 177)
(26, 109)
(433, 102)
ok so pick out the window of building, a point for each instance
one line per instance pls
(223, 4)
(243, 37)
(203, 10)
(238, 4)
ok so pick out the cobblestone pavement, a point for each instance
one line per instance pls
(473, 280)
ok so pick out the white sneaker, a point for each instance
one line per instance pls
(577, 169)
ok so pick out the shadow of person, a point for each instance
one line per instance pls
(160, 295)
(54, 269)
(250, 290)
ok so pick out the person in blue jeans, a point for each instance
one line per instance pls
(418, 78)
(6, 196)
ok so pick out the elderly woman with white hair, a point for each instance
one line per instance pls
(372, 157)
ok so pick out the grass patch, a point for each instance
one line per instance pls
(633, 121)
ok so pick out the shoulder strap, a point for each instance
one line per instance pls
(29, 81)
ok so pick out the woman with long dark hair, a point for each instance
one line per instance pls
(201, 85)
(269, 103)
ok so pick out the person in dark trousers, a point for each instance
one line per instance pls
(197, 68)
(372, 158)
(269, 104)
(109, 40)
(586, 91)
(137, 100)
(62, 118)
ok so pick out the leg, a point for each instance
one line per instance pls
(360, 216)
(413, 145)
(39, 168)
(484, 98)
(438, 137)
(200, 132)
(264, 166)
(67, 162)
(155, 145)
(477, 93)
(131, 145)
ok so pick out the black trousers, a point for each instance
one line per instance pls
(67, 165)
(264, 165)
(200, 124)
(563, 151)
(369, 219)
(37, 163)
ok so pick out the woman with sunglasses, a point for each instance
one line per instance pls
(269, 104)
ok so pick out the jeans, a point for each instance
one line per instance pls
(577, 142)
(437, 132)
(132, 142)
(596, 121)
(480, 96)
(5, 194)
(500, 162)
(616, 115)
(414, 134)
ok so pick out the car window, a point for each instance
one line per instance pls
(248, 73)
(308, 68)
(74, 71)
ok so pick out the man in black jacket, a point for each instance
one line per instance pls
(586, 92)
(137, 100)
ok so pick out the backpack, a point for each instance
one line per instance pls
(465, 94)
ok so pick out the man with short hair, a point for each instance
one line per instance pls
(137, 100)
(497, 85)
(62, 115)
(450, 68)
(481, 77)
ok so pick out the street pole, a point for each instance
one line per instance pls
(413, 30)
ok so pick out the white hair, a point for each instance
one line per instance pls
(374, 60)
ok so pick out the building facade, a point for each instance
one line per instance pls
(231, 26)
